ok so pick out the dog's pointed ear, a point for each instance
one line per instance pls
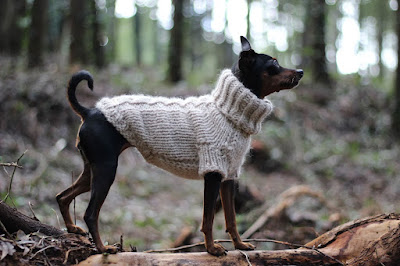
(245, 44)
(247, 55)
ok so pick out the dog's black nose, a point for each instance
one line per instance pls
(300, 72)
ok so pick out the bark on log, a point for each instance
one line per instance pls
(369, 241)
(277, 257)
(13, 221)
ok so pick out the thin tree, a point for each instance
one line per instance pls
(176, 44)
(97, 42)
(318, 63)
(16, 30)
(248, 31)
(4, 25)
(137, 25)
(396, 112)
(11, 31)
(78, 49)
(37, 33)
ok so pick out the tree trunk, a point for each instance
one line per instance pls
(248, 31)
(16, 31)
(157, 55)
(176, 44)
(110, 29)
(38, 31)
(318, 62)
(11, 31)
(396, 113)
(4, 25)
(78, 50)
(137, 20)
(97, 42)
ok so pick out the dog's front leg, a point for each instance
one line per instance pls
(228, 204)
(212, 183)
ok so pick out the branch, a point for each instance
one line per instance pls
(15, 165)
(11, 165)
(13, 221)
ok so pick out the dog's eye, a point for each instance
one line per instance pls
(273, 67)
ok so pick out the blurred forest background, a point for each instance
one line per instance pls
(337, 133)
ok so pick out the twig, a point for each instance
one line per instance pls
(30, 207)
(5, 230)
(11, 165)
(72, 180)
(58, 218)
(287, 199)
(69, 251)
(43, 249)
(12, 176)
(246, 257)
(244, 240)
(293, 245)
(177, 248)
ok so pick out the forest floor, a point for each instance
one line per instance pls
(335, 142)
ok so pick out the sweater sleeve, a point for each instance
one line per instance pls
(212, 159)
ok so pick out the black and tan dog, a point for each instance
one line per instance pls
(100, 144)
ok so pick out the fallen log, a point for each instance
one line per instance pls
(13, 220)
(30, 242)
(276, 257)
(369, 241)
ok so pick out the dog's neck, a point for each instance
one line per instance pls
(249, 82)
(239, 104)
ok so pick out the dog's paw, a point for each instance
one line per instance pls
(76, 230)
(217, 250)
(244, 246)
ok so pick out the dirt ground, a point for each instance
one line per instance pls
(337, 143)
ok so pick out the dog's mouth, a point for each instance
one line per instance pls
(293, 81)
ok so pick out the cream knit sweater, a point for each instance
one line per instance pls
(193, 136)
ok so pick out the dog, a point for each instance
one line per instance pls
(204, 137)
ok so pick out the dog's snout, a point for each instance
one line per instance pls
(300, 73)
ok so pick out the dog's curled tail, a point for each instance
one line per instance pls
(76, 78)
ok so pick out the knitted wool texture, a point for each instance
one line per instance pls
(193, 136)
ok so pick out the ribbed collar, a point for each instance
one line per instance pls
(239, 104)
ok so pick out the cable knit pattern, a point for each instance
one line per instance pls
(193, 136)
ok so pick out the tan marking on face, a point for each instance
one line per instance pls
(286, 79)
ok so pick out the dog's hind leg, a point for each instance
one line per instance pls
(101, 144)
(227, 198)
(103, 177)
(64, 198)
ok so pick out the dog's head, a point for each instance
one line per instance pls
(262, 73)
